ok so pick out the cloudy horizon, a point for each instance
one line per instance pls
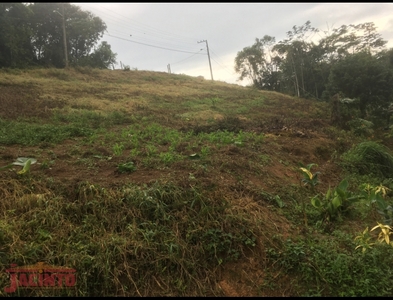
(151, 36)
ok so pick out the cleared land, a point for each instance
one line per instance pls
(155, 184)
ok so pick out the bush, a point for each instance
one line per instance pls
(369, 158)
(361, 127)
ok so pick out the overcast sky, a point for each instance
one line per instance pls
(149, 36)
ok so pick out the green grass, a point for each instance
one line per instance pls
(327, 268)
(369, 158)
(27, 134)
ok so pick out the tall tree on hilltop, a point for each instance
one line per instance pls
(248, 62)
(296, 64)
(365, 77)
(16, 50)
(259, 63)
(300, 65)
(83, 30)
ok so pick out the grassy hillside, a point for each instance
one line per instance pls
(155, 184)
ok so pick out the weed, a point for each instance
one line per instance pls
(47, 164)
(361, 127)
(214, 101)
(134, 152)
(118, 149)
(126, 167)
(151, 150)
(333, 272)
(205, 151)
(168, 157)
(336, 201)
(375, 196)
(279, 201)
(265, 159)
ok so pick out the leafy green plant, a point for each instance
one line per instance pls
(151, 150)
(279, 201)
(135, 152)
(167, 157)
(224, 246)
(384, 234)
(375, 196)
(214, 101)
(128, 167)
(118, 149)
(364, 241)
(310, 179)
(336, 201)
(205, 151)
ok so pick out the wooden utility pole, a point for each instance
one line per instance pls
(208, 55)
(64, 38)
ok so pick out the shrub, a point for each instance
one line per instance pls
(369, 157)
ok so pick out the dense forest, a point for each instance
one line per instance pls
(51, 35)
(350, 61)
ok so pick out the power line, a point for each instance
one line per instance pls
(188, 57)
(133, 29)
(150, 41)
(164, 41)
(145, 28)
(149, 45)
(220, 64)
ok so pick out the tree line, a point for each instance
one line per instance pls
(351, 61)
(32, 34)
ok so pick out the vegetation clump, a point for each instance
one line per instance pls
(369, 157)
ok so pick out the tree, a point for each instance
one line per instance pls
(297, 64)
(259, 63)
(365, 77)
(102, 57)
(270, 76)
(83, 30)
(16, 50)
(47, 34)
(248, 62)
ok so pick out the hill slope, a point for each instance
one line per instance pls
(157, 184)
